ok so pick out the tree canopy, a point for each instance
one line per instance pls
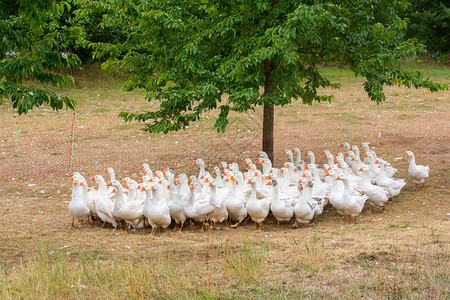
(32, 47)
(197, 55)
(189, 54)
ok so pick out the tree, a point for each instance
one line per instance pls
(429, 23)
(32, 47)
(188, 54)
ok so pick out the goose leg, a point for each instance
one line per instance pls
(295, 225)
(203, 224)
(73, 222)
(258, 228)
(181, 227)
(236, 225)
(126, 228)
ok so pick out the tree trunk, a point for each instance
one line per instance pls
(267, 143)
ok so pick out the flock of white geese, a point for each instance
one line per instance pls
(299, 190)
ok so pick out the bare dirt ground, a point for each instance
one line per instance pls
(405, 248)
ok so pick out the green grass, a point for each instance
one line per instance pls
(248, 263)
(101, 110)
(432, 70)
(403, 117)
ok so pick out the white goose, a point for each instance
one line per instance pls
(351, 203)
(130, 212)
(262, 154)
(258, 209)
(77, 207)
(266, 165)
(303, 210)
(377, 195)
(158, 212)
(179, 201)
(87, 196)
(146, 170)
(198, 209)
(199, 162)
(282, 208)
(298, 158)
(366, 149)
(103, 204)
(418, 173)
(393, 185)
(220, 213)
(290, 156)
(235, 206)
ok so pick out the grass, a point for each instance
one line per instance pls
(403, 117)
(249, 262)
(242, 273)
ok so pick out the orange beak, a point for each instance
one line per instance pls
(114, 190)
(249, 181)
(360, 169)
(304, 175)
(109, 184)
(306, 167)
(71, 179)
(327, 174)
(269, 183)
(338, 178)
(300, 180)
(143, 188)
